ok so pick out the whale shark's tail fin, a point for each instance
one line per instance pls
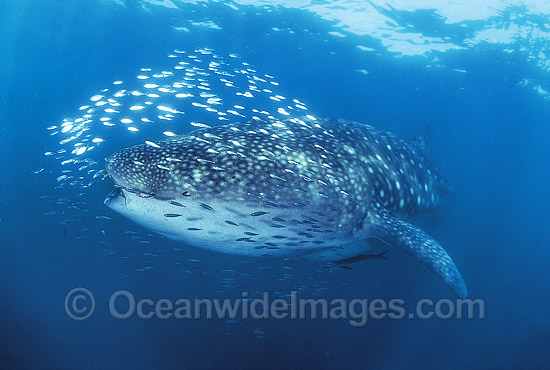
(416, 243)
(421, 143)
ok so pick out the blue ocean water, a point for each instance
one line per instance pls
(478, 78)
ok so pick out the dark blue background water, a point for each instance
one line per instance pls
(490, 138)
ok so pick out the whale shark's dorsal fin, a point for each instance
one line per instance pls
(419, 245)
(421, 140)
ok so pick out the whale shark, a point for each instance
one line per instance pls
(310, 187)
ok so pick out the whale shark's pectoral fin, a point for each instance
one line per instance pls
(419, 245)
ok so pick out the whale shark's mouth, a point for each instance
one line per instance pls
(117, 193)
(120, 192)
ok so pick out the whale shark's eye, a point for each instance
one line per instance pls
(145, 195)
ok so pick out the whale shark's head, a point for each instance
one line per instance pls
(169, 188)
(139, 170)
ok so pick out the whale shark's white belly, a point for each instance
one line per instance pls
(240, 229)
